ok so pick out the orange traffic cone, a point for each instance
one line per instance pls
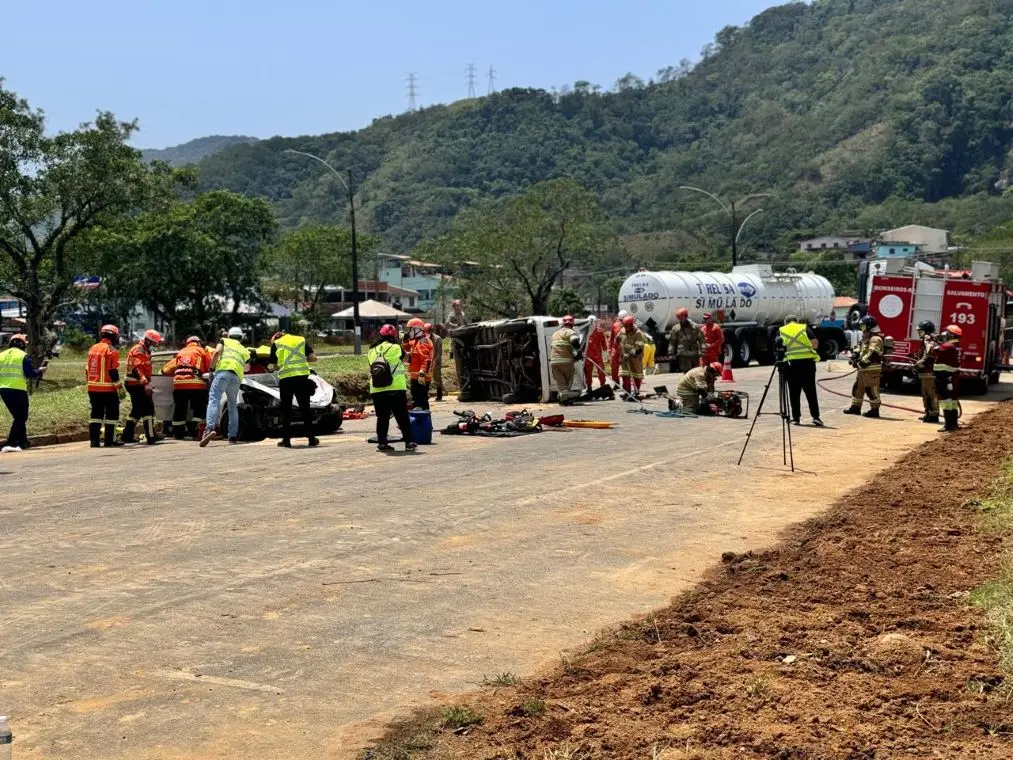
(726, 372)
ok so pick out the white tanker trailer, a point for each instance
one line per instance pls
(750, 303)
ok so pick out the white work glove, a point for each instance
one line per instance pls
(949, 386)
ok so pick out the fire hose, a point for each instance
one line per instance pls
(890, 406)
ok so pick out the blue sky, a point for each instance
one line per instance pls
(188, 68)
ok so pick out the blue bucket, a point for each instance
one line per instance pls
(422, 426)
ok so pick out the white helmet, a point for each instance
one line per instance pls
(623, 313)
(236, 332)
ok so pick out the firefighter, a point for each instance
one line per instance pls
(456, 316)
(926, 375)
(594, 354)
(799, 343)
(696, 385)
(16, 370)
(714, 340)
(869, 362)
(631, 351)
(685, 343)
(420, 361)
(138, 382)
(564, 344)
(189, 389)
(615, 360)
(102, 371)
(292, 355)
(437, 340)
(946, 370)
(228, 361)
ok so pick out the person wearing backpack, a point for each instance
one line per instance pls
(388, 387)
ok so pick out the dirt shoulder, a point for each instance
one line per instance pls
(852, 638)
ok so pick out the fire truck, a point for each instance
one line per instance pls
(900, 294)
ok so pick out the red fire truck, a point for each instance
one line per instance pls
(900, 294)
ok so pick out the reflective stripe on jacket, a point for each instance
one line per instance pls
(796, 343)
(12, 370)
(190, 363)
(233, 357)
(102, 357)
(290, 351)
(562, 349)
(392, 353)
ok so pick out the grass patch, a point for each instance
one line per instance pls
(501, 679)
(55, 413)
(532, 708)
(758, 688)
(457, 718)
(996, 597)
(407, 738)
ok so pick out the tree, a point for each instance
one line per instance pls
(191, 262)
(566, 301)
(516, 249)
(52, 190)
(306, 260)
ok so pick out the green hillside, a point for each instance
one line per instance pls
(193, 151)
(855, 113)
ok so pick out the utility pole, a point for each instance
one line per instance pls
(729, 208)
(412, 90)
(471, 81)
(492, 80)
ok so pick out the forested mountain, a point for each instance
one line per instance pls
(851, 113)
(193, 151)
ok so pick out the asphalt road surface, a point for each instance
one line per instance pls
(172, 602)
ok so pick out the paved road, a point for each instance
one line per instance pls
(170, 602)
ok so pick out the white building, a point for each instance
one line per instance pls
(829, 243)
(929, 240)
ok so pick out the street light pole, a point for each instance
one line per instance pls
(357, 326)
(736, 229)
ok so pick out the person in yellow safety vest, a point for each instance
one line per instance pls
(388, 387)
(799, 343)
(16, 370)
(869, 362)
(292, 355)
(565, 345)
(228, 362)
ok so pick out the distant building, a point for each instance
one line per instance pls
(434, 288)
(337, 297)
(899, 249)
(929, 240)
(851, 247)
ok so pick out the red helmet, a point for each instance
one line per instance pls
(153, 335)
(707, 315)
(18, 341)
(388, 331)
(682, 313)
(568, 320)
(112, 330)
(629, 320)
(428, 327)
(954, 330)
(194, 339)
(415, 322)
(716, 367)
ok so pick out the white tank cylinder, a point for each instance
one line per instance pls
(749, 294)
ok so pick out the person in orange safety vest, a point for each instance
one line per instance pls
(714, 341)
(189, 388)
(419, 350)
(102, 372)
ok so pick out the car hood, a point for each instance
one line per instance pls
(323, 392)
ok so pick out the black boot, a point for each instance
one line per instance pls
(853, 410)
(128, 431)
(149, 432)
(95, 434)
(929, 417)
(950, 422)
(872, 414)
(111, 437)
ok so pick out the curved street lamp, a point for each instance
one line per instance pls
(730, 210)
(355, 253)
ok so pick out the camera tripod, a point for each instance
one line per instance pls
(783, 406)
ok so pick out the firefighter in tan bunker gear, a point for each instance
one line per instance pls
(868, 360)
(924, 360)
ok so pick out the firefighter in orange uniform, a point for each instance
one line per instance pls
(714, 341)
(102, 372)
(615, 357)
(138, 382)
(594, 352)
(419, 350)
(946, 368)
(189, 389)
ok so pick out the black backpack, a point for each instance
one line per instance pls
(380, 372)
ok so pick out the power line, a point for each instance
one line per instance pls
(413, 81)
(471, 81)
(492, 80)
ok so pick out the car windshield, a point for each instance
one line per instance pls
(268, 379)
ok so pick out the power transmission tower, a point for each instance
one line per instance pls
(413, 89)
(492, 80)
(471, 81)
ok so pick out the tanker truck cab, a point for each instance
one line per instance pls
(750, 303)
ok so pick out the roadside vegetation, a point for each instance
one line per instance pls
(996, 597)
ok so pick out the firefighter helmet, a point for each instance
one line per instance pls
(716, 367)
(623, 314)
(109, 331)
(707, 316)
(18, 341)
(193, 339)
(927, 327)
(427, 327)
(455, 302)
(415, 322)
(153, 336)
(629, 320)
(869, 322)
(682, 314)
(236, 333)
(388, 331)
(955, 331)
(568, 320)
